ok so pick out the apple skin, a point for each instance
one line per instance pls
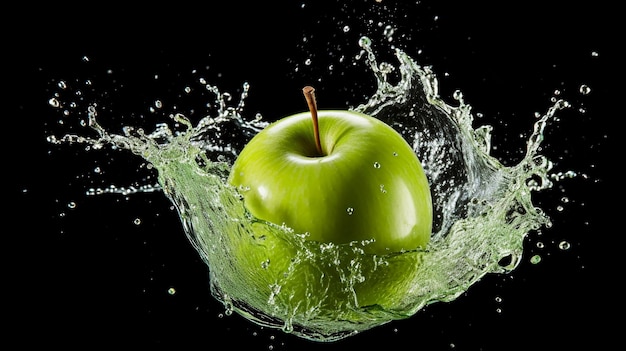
(367, 186)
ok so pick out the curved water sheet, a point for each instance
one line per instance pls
(319, 291)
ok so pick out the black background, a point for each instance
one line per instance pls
(88, 276)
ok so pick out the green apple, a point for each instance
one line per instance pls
(337, 177)
(366, 184)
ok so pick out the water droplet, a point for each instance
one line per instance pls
(564, 245)
(346, 29)
(388, 32)
(265, 264)
(288, 326)
(307, 62)
(229, 308)
(395, 154)
(376, 165)
(594, 54)
(382, 189)
(350, 211)
(457, 95)
(561, 104)
(171, 291)
(62, 84)
(365, 42)
(158, 104)
(137, 221)
(498, 299)
(71, 204)
(535, 259)
(584, 89)
(540, 245)
(54, 102)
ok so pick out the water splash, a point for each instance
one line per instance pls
(483, 210)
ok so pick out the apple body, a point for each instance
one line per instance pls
(367, 185)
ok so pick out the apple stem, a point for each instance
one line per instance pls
(309, 94)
